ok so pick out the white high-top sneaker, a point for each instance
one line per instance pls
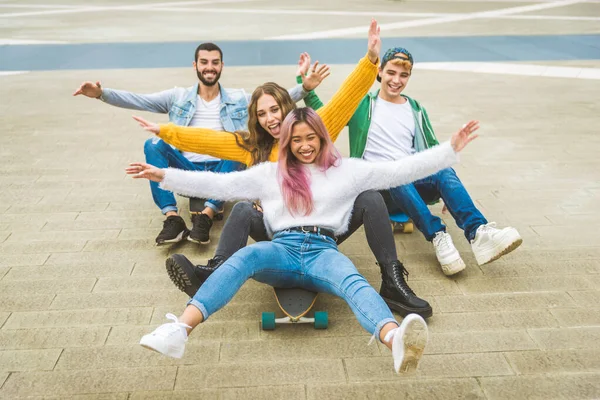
(168, 339)
(491, 243)
(447, 255)
(408, 343)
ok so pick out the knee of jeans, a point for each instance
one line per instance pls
(448, 176)
(369, 199)
(152, 144)
(242, 208)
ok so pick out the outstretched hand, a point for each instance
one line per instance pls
(146, 171)
(317, 73)
(374, 42)
(147, 125)
(89, 89)
(464, 136)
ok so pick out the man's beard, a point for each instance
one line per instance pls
(208, 83)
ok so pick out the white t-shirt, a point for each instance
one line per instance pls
(207, 115)
(391, 133)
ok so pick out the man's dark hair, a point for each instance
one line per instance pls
(208, 47)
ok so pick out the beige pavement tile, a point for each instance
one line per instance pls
(504, 301)
(479, 342)
(586, 298)
(47, 286)
(25, 301)
(68, 271)
(28, 360)
(141, 283)
(492, 320)
(567, 338)
(102, 258)
(140, 233)
(569, 235)
(63, 235)
(103, 396)
(578, 317)
(541, 387)
(554, 361)
(38, 217)
(119, 299)
(292, 392)
(4, 271)
(4, 236)
(286, 349)
(3, 377)
(124, 245)
(436, 366)
(133, 356)
(128, 214)
(56, 208)
(526, 284)
(88, 381)
(542, 267)
(208, 331)
(79, 318)
(3, 317)
(241, 374)
(403, 388)
(16, 260)
(100, 224)
(42, 247)
(49, 338)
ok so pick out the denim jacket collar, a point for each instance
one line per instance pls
(194, 92)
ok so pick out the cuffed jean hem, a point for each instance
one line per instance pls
(200, 307)
(380, 325)
(166, 209)
(213, 207)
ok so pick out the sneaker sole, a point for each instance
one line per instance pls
(503, 252)
(404, 310)
(177, 276)
(414, 346)
(415, 340)
(454, 267)
(178, 239)
(191, 239)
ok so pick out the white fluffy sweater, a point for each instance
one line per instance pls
(334, 191)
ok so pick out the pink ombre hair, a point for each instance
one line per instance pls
(294, 178)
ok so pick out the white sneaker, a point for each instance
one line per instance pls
(491, 243)
(168, 339)
(447, 255)
(408, 343)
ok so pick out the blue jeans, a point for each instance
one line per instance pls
(162, 155)
(412, 199)
(296, 259)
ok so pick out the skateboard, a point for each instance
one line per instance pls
(295, 304)
(401, 223)
(197, 205)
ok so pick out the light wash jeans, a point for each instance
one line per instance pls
(162, 155)
(296, 259)
(412, 199)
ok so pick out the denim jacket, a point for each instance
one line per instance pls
(180, 104)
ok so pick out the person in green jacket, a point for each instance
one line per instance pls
(389, 125)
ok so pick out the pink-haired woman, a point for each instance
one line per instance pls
(307, 198)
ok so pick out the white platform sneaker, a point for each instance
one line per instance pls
(168, 339)
(491, 243)
(447, 255)
(408, 343)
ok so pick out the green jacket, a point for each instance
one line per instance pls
(359, 124)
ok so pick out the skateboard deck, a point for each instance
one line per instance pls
(401, 223)
(295, 303)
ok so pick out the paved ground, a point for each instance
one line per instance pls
(81, 281)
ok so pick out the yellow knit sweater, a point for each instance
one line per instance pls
(335, 116)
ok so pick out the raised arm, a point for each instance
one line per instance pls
(199, 140)
(240, 185)
(388, 174)
(343, 104)
(155, 102)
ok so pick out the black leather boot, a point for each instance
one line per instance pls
(189, 277)
(397, 294)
